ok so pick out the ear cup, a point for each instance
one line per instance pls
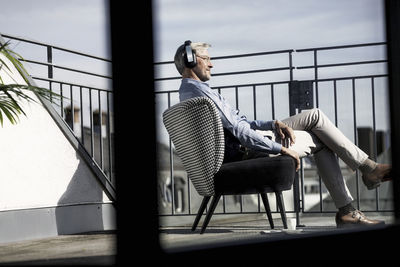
(189, 57)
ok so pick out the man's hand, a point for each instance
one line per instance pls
(285, 133)
(293, 154)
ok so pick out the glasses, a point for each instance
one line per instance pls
(205, 58)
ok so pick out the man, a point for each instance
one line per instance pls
(309, 132)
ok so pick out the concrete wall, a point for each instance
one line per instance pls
(46, 188)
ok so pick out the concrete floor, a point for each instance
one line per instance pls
(250, 228)
(92, 249)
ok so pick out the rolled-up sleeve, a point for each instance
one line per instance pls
(261, 125)
(252, 139)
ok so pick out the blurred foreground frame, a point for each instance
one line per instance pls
(392, 8)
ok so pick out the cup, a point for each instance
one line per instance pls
(291, 223)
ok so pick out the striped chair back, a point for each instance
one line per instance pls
(195, 128)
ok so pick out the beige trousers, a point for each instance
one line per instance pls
(317, 135)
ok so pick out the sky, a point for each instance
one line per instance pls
(240, 27)
(77, 25)
(233, 26)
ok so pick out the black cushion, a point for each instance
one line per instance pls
(260, 175)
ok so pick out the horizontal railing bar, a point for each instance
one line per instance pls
(251, 71)
(55, 47)
(248, 85)
(228, 86)
(342, 64)
(349, 78)
(166, 92)
(167, 78)
(283, 82)
(72, 84)
(254, 54)
(284, 51)
(237, 56)
(163, 62)
(339, 47)
(231, 73)
(82, 71)
(35, 62)
(280, 69)
(312, 80)
(64, 68)
(261, 212)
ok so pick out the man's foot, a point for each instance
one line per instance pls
(382, 173)
(355, 218)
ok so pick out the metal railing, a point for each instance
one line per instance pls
(87, 111)
(259, 100)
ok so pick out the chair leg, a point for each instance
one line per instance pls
(264, 198)
(281, 205)
(210, 212)
(200, 212)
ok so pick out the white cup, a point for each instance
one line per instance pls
(291, 223)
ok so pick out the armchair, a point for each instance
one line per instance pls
(195, 128)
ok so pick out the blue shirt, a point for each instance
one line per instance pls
(239, 126)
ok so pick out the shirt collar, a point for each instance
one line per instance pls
(190, 80)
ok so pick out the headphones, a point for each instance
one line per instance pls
(189, 57)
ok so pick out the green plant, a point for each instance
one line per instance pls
(12, 94)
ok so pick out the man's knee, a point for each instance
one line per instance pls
(315, 115)
(316, 111)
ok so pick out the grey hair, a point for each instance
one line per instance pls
(198, 48)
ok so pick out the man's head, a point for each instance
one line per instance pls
(201, 69)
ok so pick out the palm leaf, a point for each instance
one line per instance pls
(19, 91)
(12, 94)
(10, 110)
(13, 57)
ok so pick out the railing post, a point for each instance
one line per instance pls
(91, 124)
(316, 77)
(300, 97)
(50, 61)
(291, 65)
(50, 68)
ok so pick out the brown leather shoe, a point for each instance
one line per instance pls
(382, 173)
(355, 218)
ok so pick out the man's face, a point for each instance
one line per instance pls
(204, 65)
